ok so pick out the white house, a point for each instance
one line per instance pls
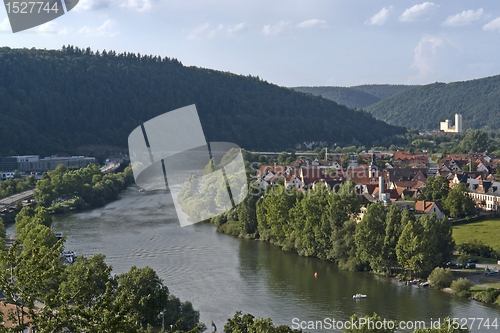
(293, 182)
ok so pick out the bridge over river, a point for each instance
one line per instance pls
(9, 202)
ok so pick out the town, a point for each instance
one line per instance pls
(400, 181)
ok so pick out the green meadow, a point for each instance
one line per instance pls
(487, 231)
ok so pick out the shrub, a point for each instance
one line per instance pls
(461, 287)
(463, 259)
(477, 248)
(441, 278)
(489, 296)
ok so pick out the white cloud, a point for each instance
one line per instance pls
(63, 31)
(381, 17)
(236, 29)
(203, 31)
(196, 33)
(5, 25)
(464, 18)
(417, 12)
(106, 29)
(425, 56)
(92, 4)
(493, 25)
(226, 31)
(271, 30)
(51, 28)
(139, 5)
(312, 23)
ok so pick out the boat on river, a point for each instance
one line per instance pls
(358, 296)
(68, 257)
(487, 271)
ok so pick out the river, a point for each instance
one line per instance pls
(221, 274)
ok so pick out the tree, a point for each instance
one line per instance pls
(473, 167)
(176, 310)
(86, 280)
(441, 278)
(409, 248)
(3, 234)
(39, 235)
(248, 323)
(146, 293)
(458, 203)
(446, 242)
(393, 230)
(282, 157)
(82, 297)
(369, 325)
(436, 189)
(461, 287)
(475, 141)
(247, 214)
(370, 236)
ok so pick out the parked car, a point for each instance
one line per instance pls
(472, 260)
(470, 266)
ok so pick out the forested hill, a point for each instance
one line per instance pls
(53, 101)
(357, 96)
(478, 101)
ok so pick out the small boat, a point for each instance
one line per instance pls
(358, 296)
(424, 284)
(141, 190)
(68, 257)
(489, 272)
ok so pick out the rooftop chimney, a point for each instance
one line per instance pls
(380, 188)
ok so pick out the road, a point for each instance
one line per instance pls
(15, 197)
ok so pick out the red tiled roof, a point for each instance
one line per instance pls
(419, 206)
(265, 169)
(404, 155)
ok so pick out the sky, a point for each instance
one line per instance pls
(290, 43)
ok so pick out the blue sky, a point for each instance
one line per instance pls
(290, 43)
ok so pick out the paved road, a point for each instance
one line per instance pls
(16, 197)
(433, 168)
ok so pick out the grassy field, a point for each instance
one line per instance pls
(488, 231)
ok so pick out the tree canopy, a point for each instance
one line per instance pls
(58, 100)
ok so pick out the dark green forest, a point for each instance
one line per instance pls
(425, 106)
(383, 91)
(342, 95)
(59, 100)
(357, 96)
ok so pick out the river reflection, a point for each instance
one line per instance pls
(220, 274)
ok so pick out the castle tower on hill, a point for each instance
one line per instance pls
(445, 125)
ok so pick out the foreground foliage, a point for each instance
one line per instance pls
(85, 296)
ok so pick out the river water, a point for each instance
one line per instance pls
(221, 274)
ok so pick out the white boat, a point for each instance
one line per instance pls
(358, 296)
(489, 272)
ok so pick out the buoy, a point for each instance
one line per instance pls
(315, 274)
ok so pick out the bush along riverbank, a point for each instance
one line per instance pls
(476, 285)
(385, 240)
(66, 189)
(328, 225)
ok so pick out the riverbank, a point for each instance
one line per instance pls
(222, 274)
(484, 287)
